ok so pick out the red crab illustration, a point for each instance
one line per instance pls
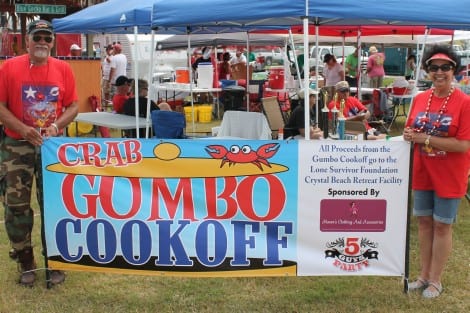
(243, 154)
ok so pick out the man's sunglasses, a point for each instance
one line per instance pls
(37, 38)
(443, 67)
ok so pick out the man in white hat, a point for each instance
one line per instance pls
(75, 50)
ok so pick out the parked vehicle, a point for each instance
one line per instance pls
(267, 57)
(319, 52)
(338, 53)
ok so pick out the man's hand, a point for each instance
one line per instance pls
(32, 135)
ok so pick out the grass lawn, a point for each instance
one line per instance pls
(98, 292)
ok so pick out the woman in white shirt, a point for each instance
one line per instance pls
(333, 72)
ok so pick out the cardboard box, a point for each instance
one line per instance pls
(239, 71)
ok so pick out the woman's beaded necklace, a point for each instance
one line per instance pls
(426, 118)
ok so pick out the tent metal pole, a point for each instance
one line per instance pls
(136, 78)
(190, 69)
(359, 61)
(247, 71)
(291, 39)
(419, 57)
(306, 79)
(150, 75)
(317, 73)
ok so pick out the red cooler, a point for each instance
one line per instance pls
(276, 77)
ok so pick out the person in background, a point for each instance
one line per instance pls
(375, 67)
(123, 86)
(129, 106)
(38, 99)
(251, 57)
(118, 64)
(410, 67)
(439, 130)
(204, 58)
(333, 71)
(224, 68)
(75, 51)
(15, 48)
(239, 58)
(195, 55)
(353, 109)
(300, 63)
(164, 106)
(106, 70)
(295, 126)
(313, 71)
(350, 65)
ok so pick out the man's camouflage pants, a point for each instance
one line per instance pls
(20, 163)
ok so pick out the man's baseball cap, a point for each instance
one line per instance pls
(342, 86)
(75, 47)
(122, 80)
(300, 93)
(40, 26)
(117, 47)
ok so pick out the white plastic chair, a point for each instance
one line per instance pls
(247, 125)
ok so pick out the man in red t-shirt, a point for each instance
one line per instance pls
(353, 109)
(123, 85)
(38, 99)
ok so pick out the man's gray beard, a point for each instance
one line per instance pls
(41, 53)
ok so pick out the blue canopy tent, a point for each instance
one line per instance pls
(110, 17)
(247, 13)
(251, 14)
(123, 17)
(113, 17)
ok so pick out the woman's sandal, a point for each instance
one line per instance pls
(418, 284)
(433, 290)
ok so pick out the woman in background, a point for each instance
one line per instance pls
(410, 67)
(225, 70)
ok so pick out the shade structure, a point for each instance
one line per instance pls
(250, 14)
(113, 16)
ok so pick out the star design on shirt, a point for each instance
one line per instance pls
(30, 93)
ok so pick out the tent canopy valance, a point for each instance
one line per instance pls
(226, 39)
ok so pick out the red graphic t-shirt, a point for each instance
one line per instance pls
(438, 170)
(40, 94)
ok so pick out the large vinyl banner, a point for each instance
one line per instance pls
(226, 207)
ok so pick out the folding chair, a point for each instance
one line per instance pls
(168, 124)
(381, 113)
(274, 114)
(255, 93)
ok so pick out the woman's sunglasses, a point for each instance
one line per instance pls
(37, 38)
(443, 67)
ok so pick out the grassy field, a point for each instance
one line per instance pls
(98, 292)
